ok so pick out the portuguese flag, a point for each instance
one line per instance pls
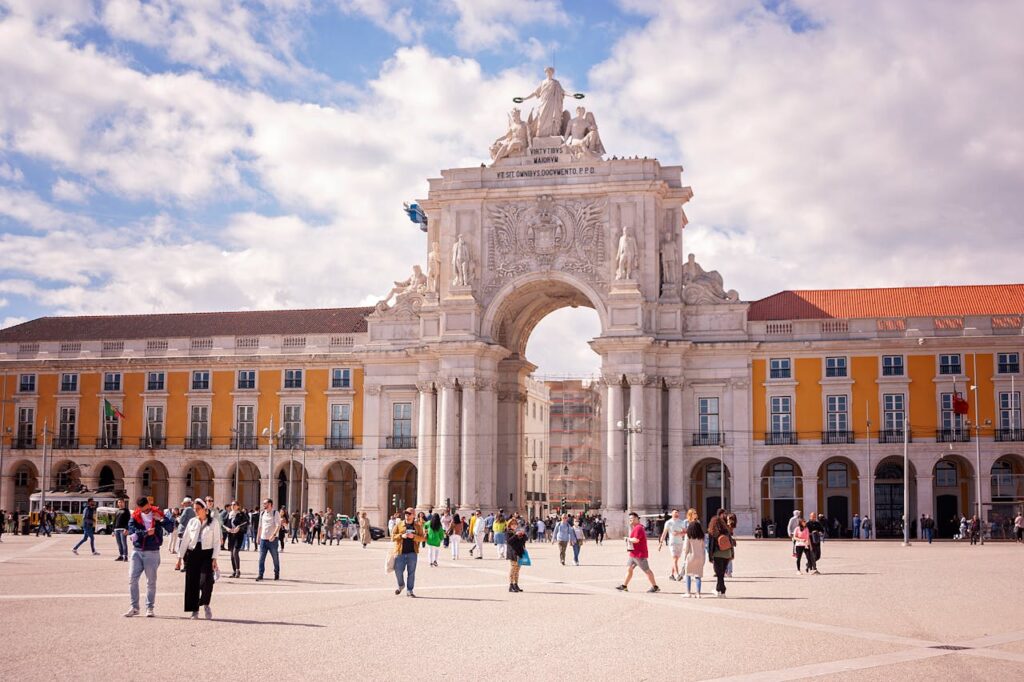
(111, 411)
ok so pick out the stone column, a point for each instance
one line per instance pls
(614, 461)
(369, 489)
(487, 473)
(131, 489)
(316, 493)
(677, 489)
(745, 493)
(426, 454)
(448, 442)
(810, 501)
(468, 489)
(636, 478)
(175, 490)
(867, 496)
(221, 490)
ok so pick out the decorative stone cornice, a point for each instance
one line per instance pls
(674, 382)
(425, 386)
(372, 389)
(639, 379)
(611, 379)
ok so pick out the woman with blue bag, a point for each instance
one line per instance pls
(517, 554)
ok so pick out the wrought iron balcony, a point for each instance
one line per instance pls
(339, 443)
(65, 443)
(23, 443)
(153, 443)
(244, 443)
(706, 438)
(292, 442)
(780, 438)
(952, 435)
(837, 438)
(1009, 435)
(108, 443)
(400, 442)
(890, 436)
(197, 443)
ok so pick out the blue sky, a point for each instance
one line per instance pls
(214, 154)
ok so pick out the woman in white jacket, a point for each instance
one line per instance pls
(198, 548)
(693, 554)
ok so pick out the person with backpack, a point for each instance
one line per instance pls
(147, 526)
(721, 549)
(817, 536)
(516, 554)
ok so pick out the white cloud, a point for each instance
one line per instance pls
(11, 173)
(70, 191)
(27, 208)
(489, 24)
(386, 15)
(12, 320)
(883, 147)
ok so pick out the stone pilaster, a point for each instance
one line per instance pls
(426, 447)
(677, 488)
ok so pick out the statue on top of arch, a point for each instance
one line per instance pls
(702, 286)
(577, 136)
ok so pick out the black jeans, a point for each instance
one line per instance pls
(805, 551)
(198, 578)
(235, 545)
(720, 566)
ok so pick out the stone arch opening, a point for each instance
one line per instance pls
(153, 483)
(839, 491)
(341, 488)
(1007, 482)
(401, 482)
(953, 490)
(706, 488)
(198, 479)
(109, 477)
(782, 492)
(245, 487)
(67, 475)
(291, 487)
(888, 511)
(25, 478)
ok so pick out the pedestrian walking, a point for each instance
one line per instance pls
(146, 528)
(364, 530)
(866, 526)
(499, 534)
(856, 526)
(693, 553)
(674, 534)
(236, 530)
(517, 555)
(577, 544)
(794, 521)
(721, 549)
(974, 528)
(563, 535)
(269, 527)
(541, 530)
(802, 542)
(282, 531)
(3, 524)
(121, 529)
(198, 552)
(435, 536)
(636, 548)
(479, 531)
(185, 515)
(817, 536)
(455, 535)
(88, 527)
(1018, 528)
(407, 536)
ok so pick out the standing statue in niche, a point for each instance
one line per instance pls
(515, 141)
(549, 121)
(703, 286)
(626, 258)
(462, 263)
(416, 283)
(582, 137)
(433, 269)
(668, 265)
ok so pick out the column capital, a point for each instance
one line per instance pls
(446, 382)
(471, 383)
(675, 382)
(611, 378)
(739, 382)
(425, 386)
(639, 379)
(372, 389)
(486, 384)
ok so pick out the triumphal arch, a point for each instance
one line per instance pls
(550, 222)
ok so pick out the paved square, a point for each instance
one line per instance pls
(878, 611)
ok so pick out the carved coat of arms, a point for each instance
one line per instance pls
(522, 237)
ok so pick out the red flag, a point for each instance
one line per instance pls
(960, 404)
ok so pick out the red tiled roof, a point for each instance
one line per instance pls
(816, 304)
(177, 325)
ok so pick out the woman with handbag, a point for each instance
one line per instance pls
(237, 526)
(720, 549)
(198, 549)
(693, 553)
(515, 551)
(802, 541)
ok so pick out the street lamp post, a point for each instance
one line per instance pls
(238, 461)
(906, 482)
(630, 428)
(721, 470)
(269, 434)
(977, 447)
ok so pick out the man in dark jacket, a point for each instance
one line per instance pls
(146, 529)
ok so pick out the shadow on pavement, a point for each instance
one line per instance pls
(455, 598)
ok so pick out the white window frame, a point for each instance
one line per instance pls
(345, 377)
(837, 413)
(780, 365)
(74, 382)
(28, 379)
(150, 375)
(1009, 358)
(705, 417)
(778, 417)
(898, 413)
(901, 366)
(836, 364)
(294, 372)
(948, 419)
(1009, 410)
(197, 374)
(959, 364)
(238, 380)
(113, 378)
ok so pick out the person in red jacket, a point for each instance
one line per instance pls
(146, 529)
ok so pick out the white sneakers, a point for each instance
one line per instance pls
(132, 612)
(149, 612)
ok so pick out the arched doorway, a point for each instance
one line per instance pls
(706, 487)
(247, 494)
(839, 491)
(109, 477)
(1007, 481)
(401, 486)
(953, 485)
(341, 488)
(26, 482)
(782, 492)
(889, 497)
(153, 483)
(67, 476)
(292, 486)
(199, 480)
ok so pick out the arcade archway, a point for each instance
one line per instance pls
(340, 493)
(401, 490)
(153, 483)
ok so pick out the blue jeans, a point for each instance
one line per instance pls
(147, 561)
(88, 533)
(121, 536)
(576, 552)
(406, 564)
(269, 546)
(688, 583)
(928, 533)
